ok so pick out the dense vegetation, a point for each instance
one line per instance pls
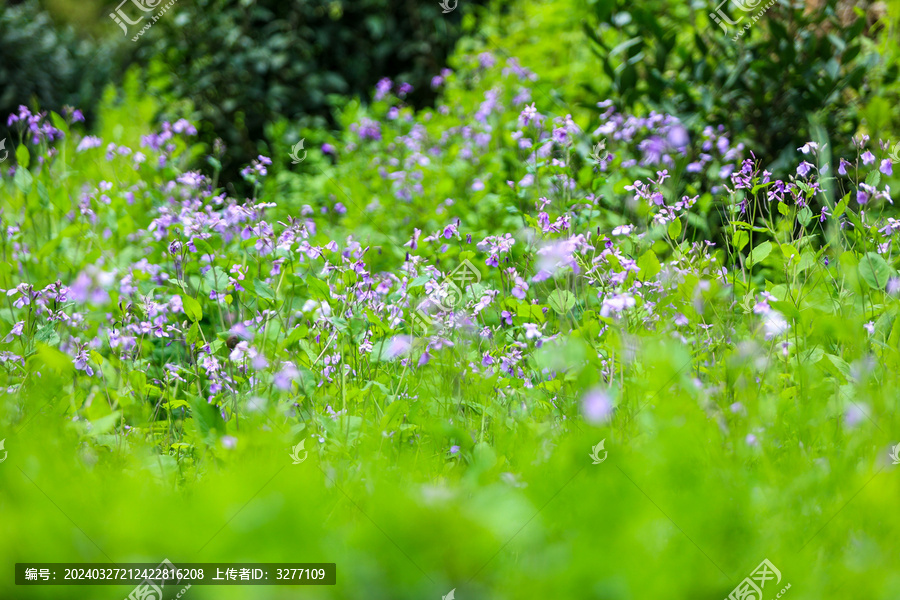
(459, 308)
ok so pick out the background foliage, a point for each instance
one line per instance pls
(245, 64)
(733, 436)
(48, 65)
(792, 76)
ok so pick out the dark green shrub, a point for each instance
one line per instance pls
(246, 64)
(795, 75)
(42, 65)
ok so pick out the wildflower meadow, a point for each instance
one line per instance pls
(477, 332)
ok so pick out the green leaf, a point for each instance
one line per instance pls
(873, 178)
(47, 333)
(740, 239)
(529, 312)
(206, 419)
(562, 301)
(648, 263)
(841, 206)
(675, 229)
(59, 123)
(193, 333)
(790, 253)
(759, 253)
(192, 309)
(394, 413)
(22, 156)
(23, 180)
(874, 270)
(263, 290)
(419, 281)
(138, 381)
(805, 216)
(104, 424)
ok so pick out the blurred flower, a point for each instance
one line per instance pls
(383, 88)
(596, 406)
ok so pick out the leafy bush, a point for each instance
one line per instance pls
(48, 67)
(245, 64)
(784, 79)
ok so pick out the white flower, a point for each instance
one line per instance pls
(616, 304)
(531, 331)
(774, 324)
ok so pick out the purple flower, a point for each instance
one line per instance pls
(559, 135)
(81, 361)
(842, 169)
(529, 114)
(16, 331)
(286, 376)
(88, 141)
(678, 137)
(382, 88)
(854, 415)
(804, 168)
(520, 288)
(616, 304)
(532, 331)
(454, 449)
(367, 129)
(486, 60)
(184, 126)
(887, 167)
(596, 406)
(397, 346)
(868, 158)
